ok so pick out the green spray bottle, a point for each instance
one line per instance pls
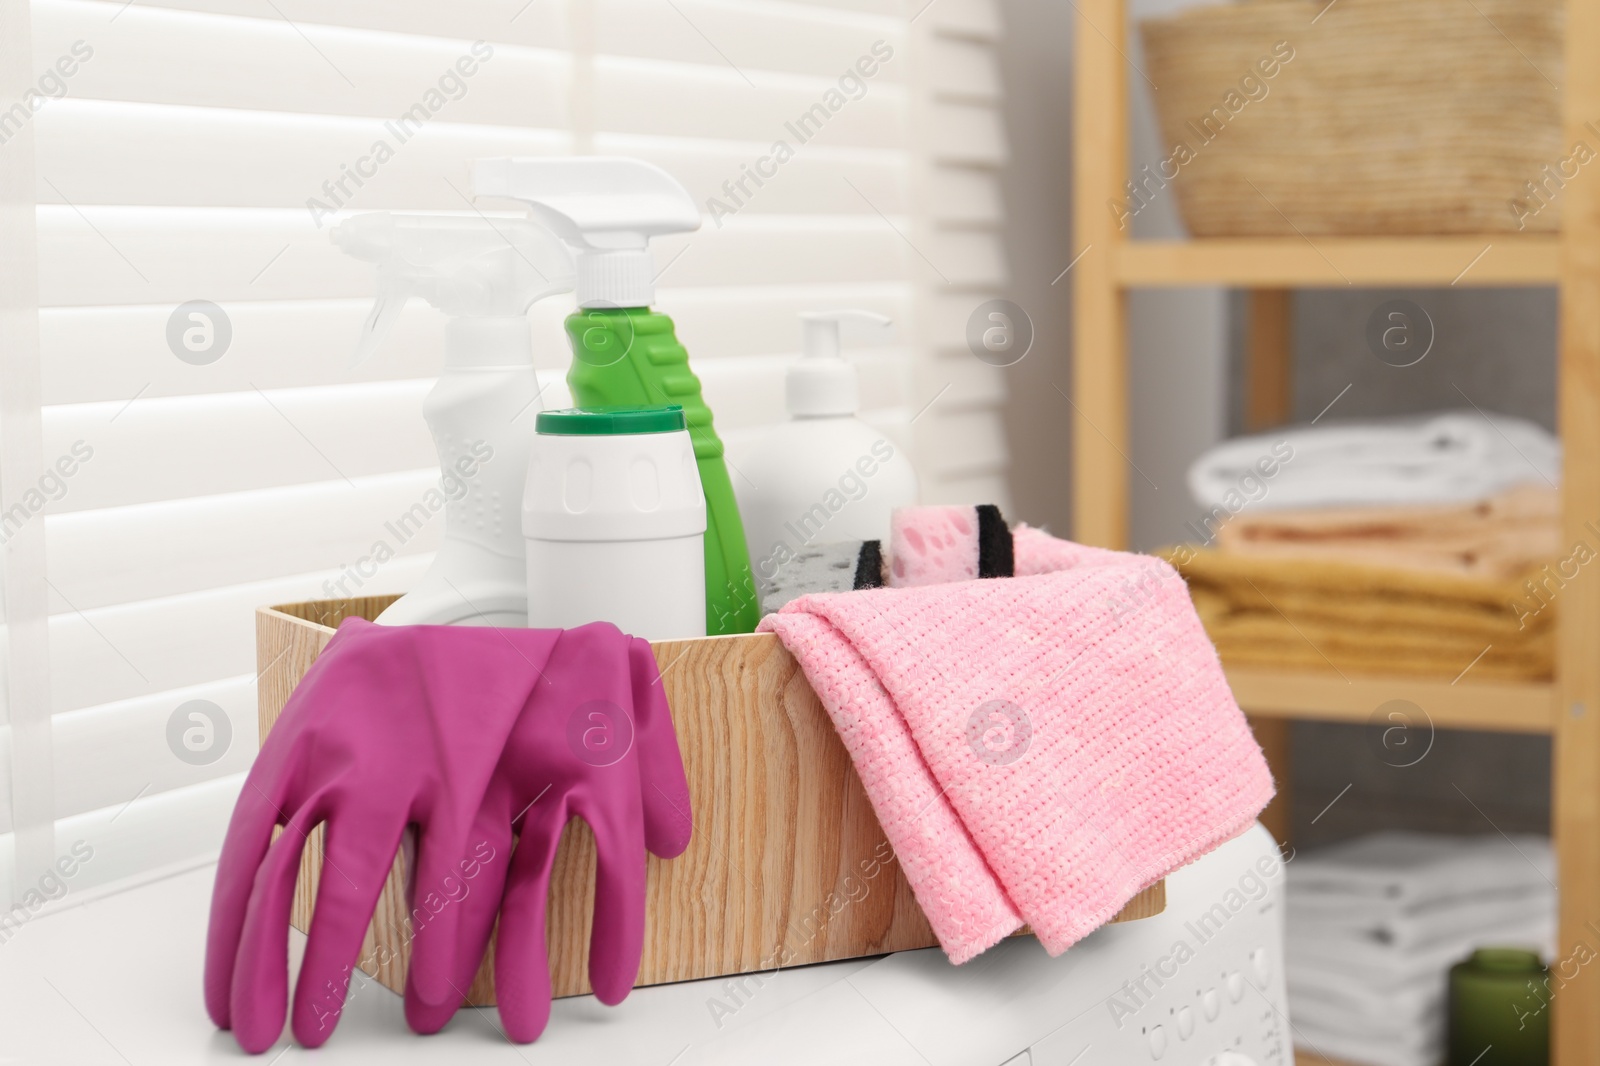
(624, 354)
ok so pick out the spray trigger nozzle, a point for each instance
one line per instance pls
(465, 267)
(607, 208)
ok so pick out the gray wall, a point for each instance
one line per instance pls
(1037, 80)
(1492, 347)
(1178, 339)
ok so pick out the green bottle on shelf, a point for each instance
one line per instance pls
(1499, 1009)
(625, 354)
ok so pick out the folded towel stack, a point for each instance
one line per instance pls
(1401, 546)
(1375, 924)
(1447, 458)
(1326, 615)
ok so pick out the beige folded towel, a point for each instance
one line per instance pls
(1316, 614)
(1501, 537)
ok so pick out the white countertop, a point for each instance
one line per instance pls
(117, 981)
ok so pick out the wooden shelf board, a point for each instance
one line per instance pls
(1516, 707)
(1281, 262)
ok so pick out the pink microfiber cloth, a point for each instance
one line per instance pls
(1037, 552)
(1039, 748)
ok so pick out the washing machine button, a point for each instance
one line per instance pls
(1211, 1003)
(1185, 1022)
(1261, 963)
(1158, 1042)
(1235, 986)
(1230, 1058)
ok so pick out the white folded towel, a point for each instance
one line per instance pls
(1420, 1047)
(1327, 998)
(1398, 871)
(1410, 928)
(1446, 458)
(1381, 968)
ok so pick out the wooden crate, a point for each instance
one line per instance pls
(787, 863)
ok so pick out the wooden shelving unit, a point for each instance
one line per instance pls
(1490, 706)
(1568, 709)
(1274, 262)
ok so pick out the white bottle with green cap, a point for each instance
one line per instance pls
(614, 521)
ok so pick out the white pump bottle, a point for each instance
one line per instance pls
(484, 275)
(823, 476)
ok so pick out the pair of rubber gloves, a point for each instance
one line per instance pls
(471, 737)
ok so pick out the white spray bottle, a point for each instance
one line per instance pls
(824, 476)
(484, 275)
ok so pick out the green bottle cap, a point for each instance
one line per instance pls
(1506, 960)
(610, 421)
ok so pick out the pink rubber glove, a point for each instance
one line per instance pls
(597, 743)
(391, 727)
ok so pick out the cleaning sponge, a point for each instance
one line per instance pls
(839, 567)
(933, 545)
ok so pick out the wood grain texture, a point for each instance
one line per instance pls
(1099, 307)
(1575, 811)
(787, 865)
(1268, 402)
(1496, 706)
(1269, 360)
(1275, 262)
(1274, 736)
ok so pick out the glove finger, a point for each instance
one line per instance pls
(358, 853)
(259, 995)
(521, 965)
(249, 834)
(664, 788)
(616, 938)
(445, 958)
(428, 1018)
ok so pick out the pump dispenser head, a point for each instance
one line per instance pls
(821, 383)
(469, 268)
(606, 208)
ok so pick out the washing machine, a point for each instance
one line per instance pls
(1199, 985)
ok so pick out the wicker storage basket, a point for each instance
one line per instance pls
(1389, 117)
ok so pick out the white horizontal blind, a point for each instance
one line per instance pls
(25, 724)
(960, 147)
(199, 150)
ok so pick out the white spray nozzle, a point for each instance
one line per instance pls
(606, 207)
(822, 384)
(466, 267)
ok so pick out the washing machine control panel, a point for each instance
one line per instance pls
(1199, 985)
